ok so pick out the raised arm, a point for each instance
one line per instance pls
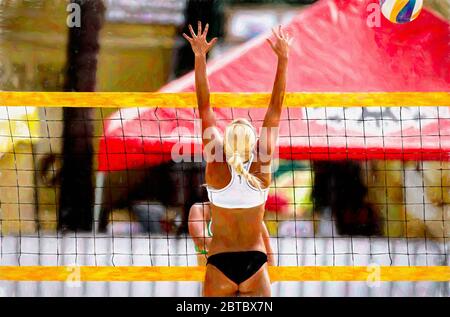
(269, 133)
(201, 47)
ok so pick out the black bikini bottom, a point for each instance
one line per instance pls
(238, 266)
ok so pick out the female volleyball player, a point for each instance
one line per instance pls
(238, 176)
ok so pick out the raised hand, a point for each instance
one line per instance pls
(198, 41)
(282, 44)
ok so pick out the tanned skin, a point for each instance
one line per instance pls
(242, 229)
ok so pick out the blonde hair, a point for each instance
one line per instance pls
(239, 142)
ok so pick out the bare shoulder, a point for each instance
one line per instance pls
(262, 170)
(217, 174)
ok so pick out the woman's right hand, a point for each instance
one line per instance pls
(282, 43)
(198, 41)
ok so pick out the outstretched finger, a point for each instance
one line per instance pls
(205, 31)
(199, 28)
(212, 42)
(187, 37)
(280, 31)
(192, 31)
(270, 43)
(276, 34)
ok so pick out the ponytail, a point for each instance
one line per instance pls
(237, 163)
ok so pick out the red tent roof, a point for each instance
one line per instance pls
(334, 50)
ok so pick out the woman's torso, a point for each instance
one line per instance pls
(237, 229)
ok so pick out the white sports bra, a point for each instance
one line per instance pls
(238, 193)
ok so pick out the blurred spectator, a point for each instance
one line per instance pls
(339, 186)
(150, 215)
(152, 194)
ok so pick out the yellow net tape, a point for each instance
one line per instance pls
(236, 100)
(277, 274)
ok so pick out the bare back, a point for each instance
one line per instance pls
(235, 229)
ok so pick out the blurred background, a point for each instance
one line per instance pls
(49, 179)
(136, 46)
(141, 50)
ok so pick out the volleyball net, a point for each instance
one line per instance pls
(360, 189)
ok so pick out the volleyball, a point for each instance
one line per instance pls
(401, 11)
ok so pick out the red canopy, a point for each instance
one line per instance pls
(334, 49)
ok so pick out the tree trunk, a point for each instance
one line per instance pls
(77, 194)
